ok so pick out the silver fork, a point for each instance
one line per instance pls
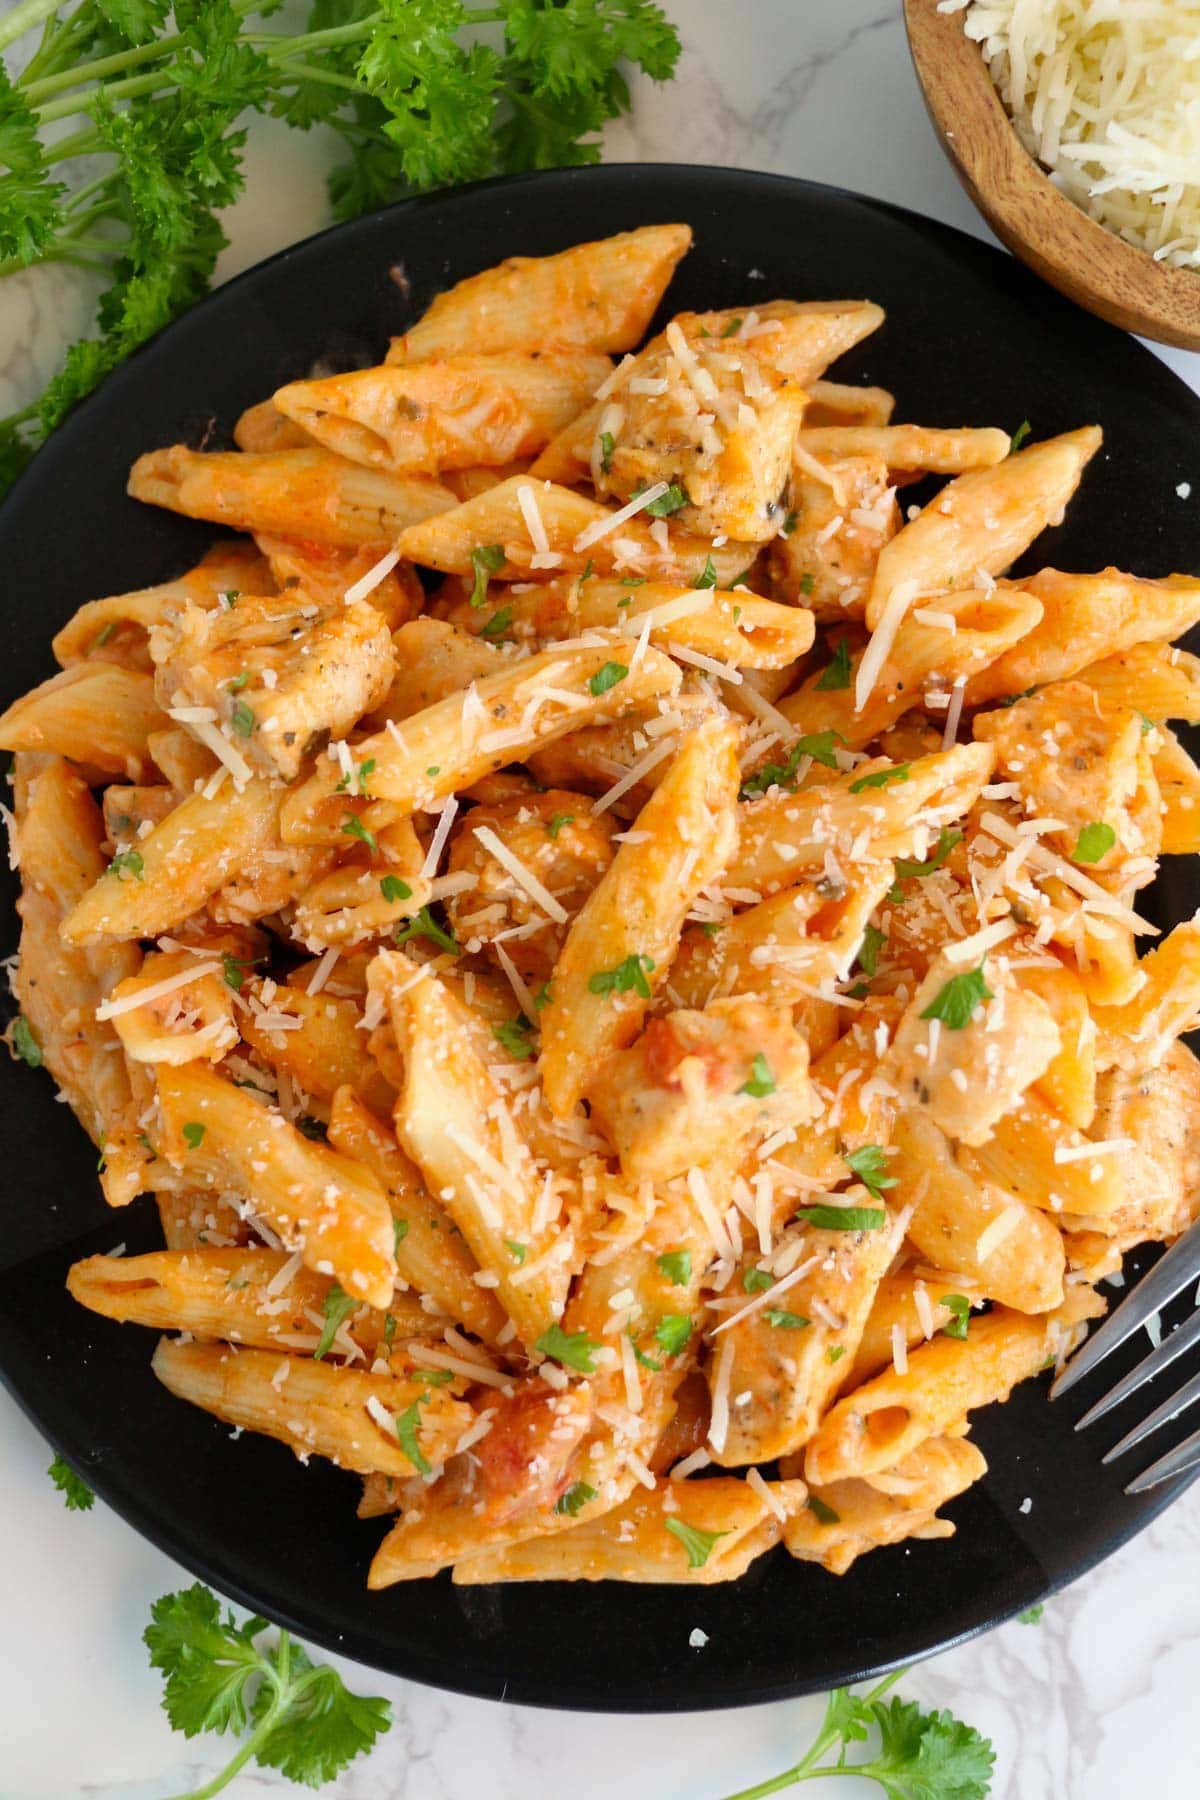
(1173, 1272)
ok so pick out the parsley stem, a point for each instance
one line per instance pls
(45, 89)
(282, 1699)
(806, 1769)
(300, 71)
(24, 17)
(80, 143)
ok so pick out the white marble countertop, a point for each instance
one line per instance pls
(1096, 1703)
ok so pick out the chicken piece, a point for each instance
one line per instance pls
(325, 573)
(841, 511)
(562, 844)
(1080, 766)
(969, 1044)
(713, 421)
(697, 1086)
(1158, 1112)
(191, 1021)
(277, 673)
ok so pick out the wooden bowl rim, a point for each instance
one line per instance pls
(1157, 299)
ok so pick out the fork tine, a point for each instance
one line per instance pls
(1169, 1276)
(1170, 1409)
(1150, 1366)
(1176, 1462)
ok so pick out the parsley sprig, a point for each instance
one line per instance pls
(920, 1755)
(302, 1720)
(158, 95)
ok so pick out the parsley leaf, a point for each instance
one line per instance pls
(628, 976)
(77, 1495)
(672, 1333)
(668, 503)
(23, 1043)
(303, 1721)
(574, 1349)
(761, 1082)
(697, 1543)
(243, 719)
(822, 1511)
(960, 1306)
(575, 1499)
(607, 445)
(879, 778)
(869, 1163)
(193, 1135)
(707, 578)
(352, 826)
(1019, 435)
(513, 1035)
(1032, 1614)
(607, 677)
(127, 862)
(423, 924)
(785, 1321)
(757, 1281)
(486, 559)
(393, 889)
(557, 822)
(676, 1266)
(338, 1305)
(907, 869)
(498, 624)
(868, 954)
(836, 674)
(843, 1218)
(955, 1003)
(1093, 843)
(819, 745)
(408, 1423)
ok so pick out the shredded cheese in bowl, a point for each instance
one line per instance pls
(1106, 95)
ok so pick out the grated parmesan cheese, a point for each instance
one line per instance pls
(1107, 98)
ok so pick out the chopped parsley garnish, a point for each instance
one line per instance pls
(127, 862)
(868, 951)
(822, 1511)
(243, 719)
(24, 1044)
(757, 1281)
(353, 827)
(956, 1002)
(359, 777)
(870, 1165)
(711, 927)
(697, 1543)
(423, 924)
(785, 1321)
(675, 1266)
(407, 1425)
(393, 889)
(337, 1305)
(835, 1353)
(629, 976)
(1019, 435)
(433, 1377)
(672, 1333)
(607, 445)
(77, 1495)
(234, 971)
(761, 1082)
(193, 1135)
(486, 559)
(543, 997)
(907, 869)
(843, 1218)
(960, 1306)
(389, 1329)
(732, 328)
(1093, 843)
(789, 525)
(668, 503)
(607, 677)
(1032, 1614)
(498, 624)
(518, 1252)
(819, 745)
(707, 578)
(557, 822)
(808, 581)
(836, 674)
(574, 1349)
(102, 637)
(513, 1036)
(399, 1233)
(575, 1499)
(238, 682)
(879, 778)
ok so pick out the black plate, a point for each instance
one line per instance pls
(971, 338)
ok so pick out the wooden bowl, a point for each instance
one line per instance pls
(1092, 266)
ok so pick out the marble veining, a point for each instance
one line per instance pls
(1095, 1703)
